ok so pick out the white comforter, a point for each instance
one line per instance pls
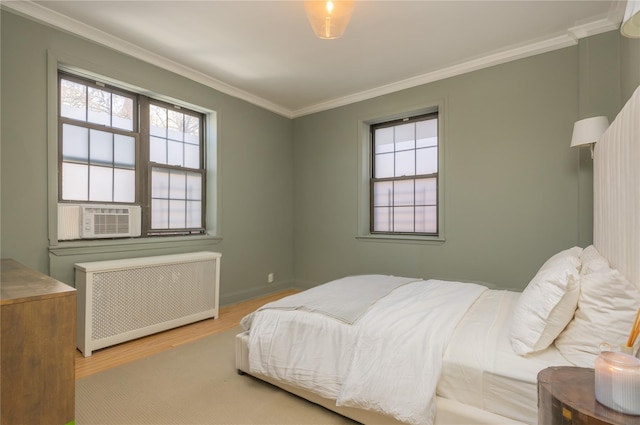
(389, 360)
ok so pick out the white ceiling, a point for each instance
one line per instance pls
(266, 53)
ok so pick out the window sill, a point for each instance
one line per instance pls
(131, 244)
(427, 240)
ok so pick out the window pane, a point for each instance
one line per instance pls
(99, 106)
(175, 155)
(403, 219)
(175, 125)
(426, 191)
(100, 184)
(382, 193)
(101, 147)
(160, 183)
(194, 186)
(384, 140)
(427, 133)
(122, 112)
(405, 163)
(177, 185)
(405, 136)
(427, 160)
(403, 193)
(75, 181)
(124, 148)
(158, 150)
(158, 120)
(73, 100)
(177, 214)
(194, 214)
(426, 219)
(382, 219)
(191, 156)
(384, 165)
(124, 182)
(159, 214)
(191, 130)
(75, 143)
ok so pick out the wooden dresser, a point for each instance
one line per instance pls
(566, 396)
(38, 341)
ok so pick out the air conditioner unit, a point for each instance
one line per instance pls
(98, 221)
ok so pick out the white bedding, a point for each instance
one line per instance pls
(347, 363)
(480, 368)
(316, 352)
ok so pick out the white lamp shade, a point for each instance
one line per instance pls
(588, 130)
(329, 18)
(631, 22)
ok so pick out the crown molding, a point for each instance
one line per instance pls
(39, 13)
(531, 49)
(451, 71)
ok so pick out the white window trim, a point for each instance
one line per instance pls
(62, 61)
(364, 174)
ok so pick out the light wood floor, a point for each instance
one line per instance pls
(117, 355)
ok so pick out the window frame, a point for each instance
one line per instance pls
(61, 121)
(148, 166)
(143, 165)
(414, 177)
(364, 149)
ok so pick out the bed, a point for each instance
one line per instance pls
(418, 351)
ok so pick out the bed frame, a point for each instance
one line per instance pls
(616, 236)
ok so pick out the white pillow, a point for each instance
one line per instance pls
(591, 260)
(547, 304)
(607, 307)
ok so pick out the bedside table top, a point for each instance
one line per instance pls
(574, 388)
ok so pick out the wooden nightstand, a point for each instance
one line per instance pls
(566, 396)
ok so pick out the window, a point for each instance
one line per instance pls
(98, 143)
(125, 148)
(177, 176)
(404, 178)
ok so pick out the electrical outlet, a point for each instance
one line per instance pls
(270, 278)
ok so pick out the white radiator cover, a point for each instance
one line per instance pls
(120, 300)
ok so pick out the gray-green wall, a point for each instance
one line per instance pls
(255, 175)
(289, 196)
(630, 67)
(515, 192)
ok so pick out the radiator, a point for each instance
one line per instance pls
(120, 300)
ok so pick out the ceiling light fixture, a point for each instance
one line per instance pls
(631, 22)
(329, 19)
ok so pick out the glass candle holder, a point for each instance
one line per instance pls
(617, 382)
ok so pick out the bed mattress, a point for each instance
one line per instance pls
(480, 368)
